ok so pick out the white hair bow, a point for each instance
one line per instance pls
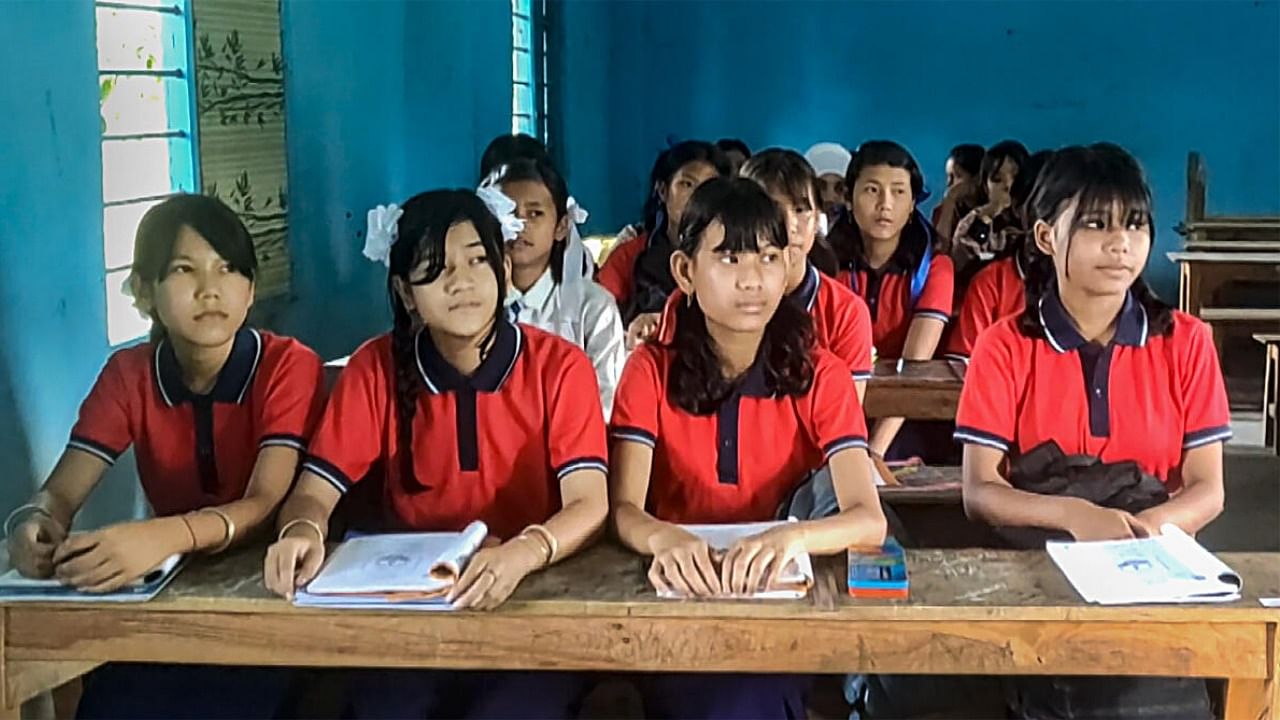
(503, 208)
(381, 231)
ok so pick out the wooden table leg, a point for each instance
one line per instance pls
(1271, 399)
(10, 707)
(1257, 699)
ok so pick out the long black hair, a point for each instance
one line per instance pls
(420, 243)
(1024, 183)
(995, 158)
(1097, 177)
(750, 217)
(917, 234)
(786, 172)
(158, 234)
(653, 281)
(969, 157)
(542, 171)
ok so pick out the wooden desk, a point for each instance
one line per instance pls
(971, 611)
(924, 390)
(1271, 391)
(1201, 273)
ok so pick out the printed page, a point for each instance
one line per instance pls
(395, 563)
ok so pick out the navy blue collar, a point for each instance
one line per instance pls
(439, 376)
(807, 293)
(1060, 329)
(753, 385)
(234, 378)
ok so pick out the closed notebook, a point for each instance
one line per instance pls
(411, 570)
(793, 582)
(15, 588)
(1169, 568)
(878, 572)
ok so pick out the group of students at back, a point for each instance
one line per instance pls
(752, 332)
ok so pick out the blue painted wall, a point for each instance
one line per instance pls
(382, 100)
(1160, 78)
(52, 298)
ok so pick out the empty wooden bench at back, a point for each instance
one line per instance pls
(970, 611)
(1229, 276)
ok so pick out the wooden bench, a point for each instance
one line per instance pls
(970, 611)
(922, 390)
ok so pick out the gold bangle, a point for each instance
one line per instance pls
(553, 546)
(231, 529)
(186, 521)
(22, 512)
(301, 521)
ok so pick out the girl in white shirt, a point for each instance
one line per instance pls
(552, 272)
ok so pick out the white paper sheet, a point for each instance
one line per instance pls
(796, 578)
(1169, 568)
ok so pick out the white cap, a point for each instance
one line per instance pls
(829, 158)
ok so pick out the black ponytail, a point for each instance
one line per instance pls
(422, 232)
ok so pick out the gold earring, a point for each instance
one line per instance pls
(688, 299)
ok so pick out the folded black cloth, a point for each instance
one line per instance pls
(1046, 470)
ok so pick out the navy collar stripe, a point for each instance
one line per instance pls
(1060, 331)
(439, 376)
(232, 383)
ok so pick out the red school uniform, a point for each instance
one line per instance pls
(617, 275)
(492, 446)
(887, 292)
(1140, 398)
(841, 321)
(197, 451)
(740, 463)
(997, 291)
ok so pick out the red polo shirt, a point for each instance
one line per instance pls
(197, 451)
(740, 463)
(887, 293)
(997, 291)
(1141, 398)
(492, 446)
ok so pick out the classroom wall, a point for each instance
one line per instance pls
(53, 309)
(1160, 78)
(382, 100)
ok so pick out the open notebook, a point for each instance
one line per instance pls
(14, 588)
(400, 570)
(1169, 568)
(792, 584)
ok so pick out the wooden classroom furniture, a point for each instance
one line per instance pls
(1271, 391)
(924, 390)
(971, 611)
(1228, 272)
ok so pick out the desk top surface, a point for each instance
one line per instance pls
(606, 580)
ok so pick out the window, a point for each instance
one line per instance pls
(529, 68)
(148, 144)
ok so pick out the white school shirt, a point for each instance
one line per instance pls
(597, 329)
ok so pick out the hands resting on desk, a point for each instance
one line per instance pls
(683, 564)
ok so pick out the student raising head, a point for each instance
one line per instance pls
(217, 414)
(638, 272)
(1098, 366)
(723, 423)
(999, 288)
(889, 256)
(551, 273)
(841, 322)
(472, 417)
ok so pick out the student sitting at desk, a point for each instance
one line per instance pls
(217, 414)
(1099, 365)
(721, 424)
(889, 256)
(473, 417)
